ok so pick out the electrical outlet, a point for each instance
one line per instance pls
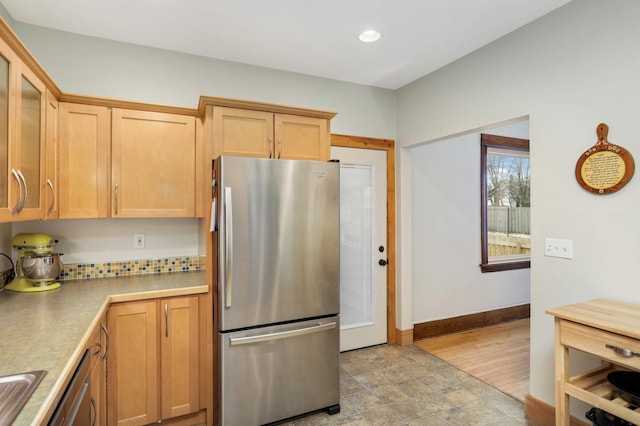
(558, 248)
(139, 241)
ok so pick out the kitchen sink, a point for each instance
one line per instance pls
(15, 391)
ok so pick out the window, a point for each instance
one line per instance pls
(505, 204)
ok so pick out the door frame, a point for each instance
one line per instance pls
(388, 145)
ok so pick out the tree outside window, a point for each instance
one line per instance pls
(506, 203)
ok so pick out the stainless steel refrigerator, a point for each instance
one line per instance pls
(278, 296)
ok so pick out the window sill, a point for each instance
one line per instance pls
(505, 266)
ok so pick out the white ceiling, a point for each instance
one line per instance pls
(315, 37)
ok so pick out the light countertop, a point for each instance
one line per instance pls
(48, 330)
(606, 314)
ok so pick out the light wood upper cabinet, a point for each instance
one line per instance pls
(29, 134)
(84, 151)
(7, 111)
(153, 164)
(125, 163)
(51, 158)
(253, 129)
(251, 133)
(244, 133)
(22, 114)
(301, 138)
(153, 364)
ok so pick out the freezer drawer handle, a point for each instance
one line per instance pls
(282, 335)
(228, 279)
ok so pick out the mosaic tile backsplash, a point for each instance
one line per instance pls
(83, 271)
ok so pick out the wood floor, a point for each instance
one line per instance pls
(498, 354)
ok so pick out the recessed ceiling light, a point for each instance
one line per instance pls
(369, 36)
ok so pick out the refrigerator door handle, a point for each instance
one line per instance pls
(228, 231)
(234, 341)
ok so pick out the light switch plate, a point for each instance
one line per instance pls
(555, 247)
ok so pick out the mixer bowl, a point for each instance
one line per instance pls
(41, 267)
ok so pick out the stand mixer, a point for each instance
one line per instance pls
(37, 266)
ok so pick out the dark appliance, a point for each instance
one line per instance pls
(75, 407)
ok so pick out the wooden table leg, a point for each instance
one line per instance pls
(563, 413)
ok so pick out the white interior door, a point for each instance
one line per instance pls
(363, 247)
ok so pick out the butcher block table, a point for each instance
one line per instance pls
(606, 329)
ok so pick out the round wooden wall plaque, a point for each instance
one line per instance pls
(604, 168)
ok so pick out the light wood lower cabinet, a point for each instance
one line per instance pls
(179, 360)
(98, 353)
(153, 364)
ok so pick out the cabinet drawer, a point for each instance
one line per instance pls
(594, 341)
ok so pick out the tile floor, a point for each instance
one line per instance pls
(403, 385)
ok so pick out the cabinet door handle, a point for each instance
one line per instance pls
(53, 197)
(95, 411)
(16, 208)
(26, 194)
(270, 147)
(623, 351)
(166, 320)
(106, 335)
(116, 198)
(279, 148)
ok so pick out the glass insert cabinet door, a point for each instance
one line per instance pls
(22, 96)
(4, 133)
(30, 141)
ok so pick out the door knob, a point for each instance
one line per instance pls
(382, 262)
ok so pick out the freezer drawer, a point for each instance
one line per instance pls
(273, 373)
